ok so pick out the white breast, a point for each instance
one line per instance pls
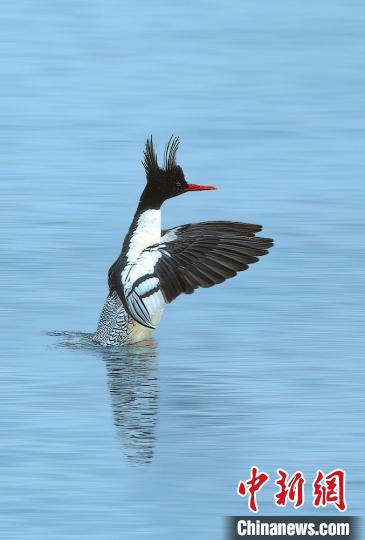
(147, 233)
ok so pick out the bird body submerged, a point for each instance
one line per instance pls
(115, 324)
(155, 266)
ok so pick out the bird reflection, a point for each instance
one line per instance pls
(134, 388)
(133, 382)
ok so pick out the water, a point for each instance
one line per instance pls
(150, 442)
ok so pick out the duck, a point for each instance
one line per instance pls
(155, 266)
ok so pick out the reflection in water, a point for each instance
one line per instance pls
(134, 388)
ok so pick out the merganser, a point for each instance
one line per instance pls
(154, 266)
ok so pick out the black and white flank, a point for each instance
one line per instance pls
(155, 266)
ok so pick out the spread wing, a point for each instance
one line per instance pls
(190, 256)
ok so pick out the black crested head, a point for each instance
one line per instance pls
(167, 181)
(163, 182)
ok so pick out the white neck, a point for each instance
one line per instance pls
(146, 233)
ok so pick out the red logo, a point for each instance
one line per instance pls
(327, 489)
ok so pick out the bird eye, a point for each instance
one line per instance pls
(178, 184)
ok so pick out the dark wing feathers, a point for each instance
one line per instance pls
(214, 227)
(190, 256)
(205, 254)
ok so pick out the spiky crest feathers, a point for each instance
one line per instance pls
(150, 162)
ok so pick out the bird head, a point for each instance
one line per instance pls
(167, 181)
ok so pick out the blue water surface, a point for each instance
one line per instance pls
(267, 369)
